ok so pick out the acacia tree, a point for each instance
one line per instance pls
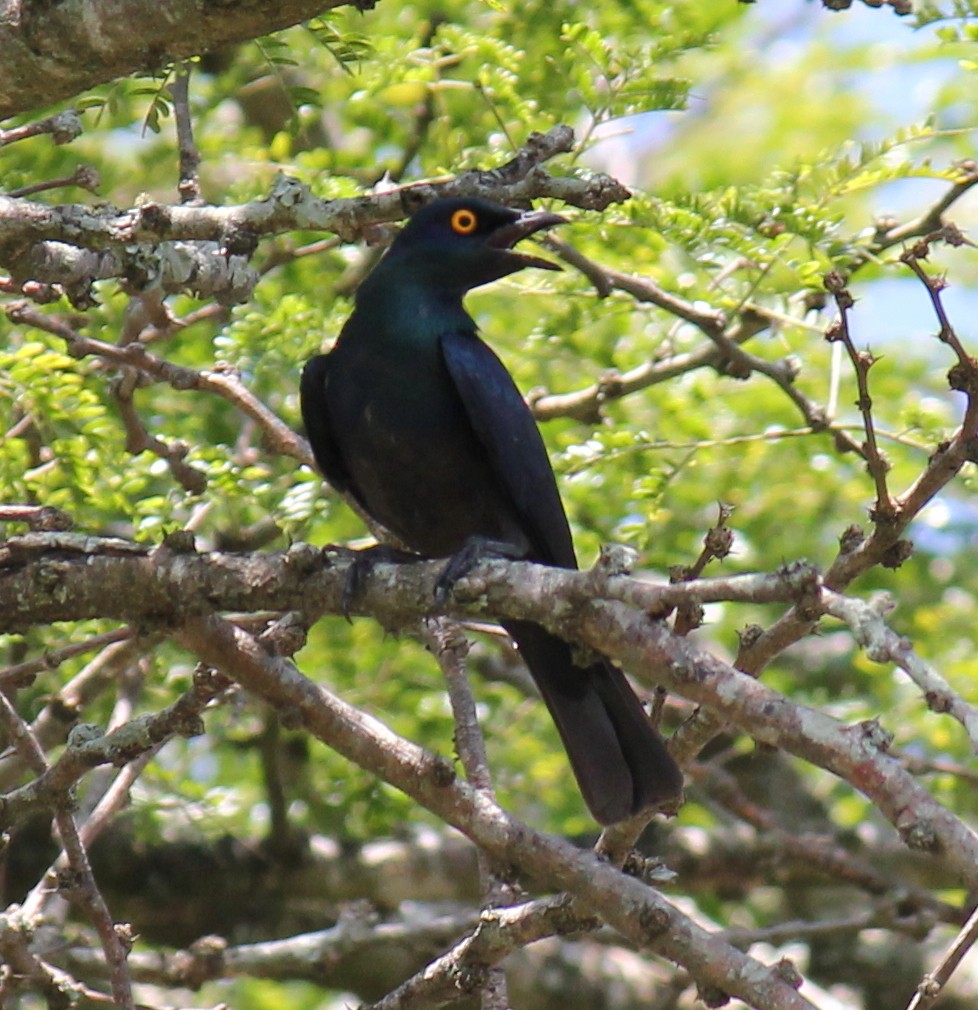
(213, 782)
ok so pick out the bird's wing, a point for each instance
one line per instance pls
(315, 417)
(504, 425)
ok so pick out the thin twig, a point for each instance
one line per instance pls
(224, 383)
(19, 964)
(935, 285)
(930, 221)
(716, 544)
(22, 674)
(498, 934)
(726, 354)
(862, 362)
(448, 643)
(933, 982)
(820, 852)
(51, 726)
(139, 440)
(83, 176)
(84, 886)
(883, 645)
(64, 127)
(189, 184)
(112, 800)
(585, 404)
(88, 747)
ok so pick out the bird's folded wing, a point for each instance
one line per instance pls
(506, 428)
(315, 417)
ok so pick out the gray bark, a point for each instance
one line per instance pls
(53, 50)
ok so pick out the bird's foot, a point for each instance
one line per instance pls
(475, 549)
(362, 565)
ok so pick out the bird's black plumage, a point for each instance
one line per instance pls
(417, 419)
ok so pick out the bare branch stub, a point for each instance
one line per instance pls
(63, 127)
(42, 518)
(22, 674)
(716, 545)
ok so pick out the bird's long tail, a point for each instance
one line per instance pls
(620, 761)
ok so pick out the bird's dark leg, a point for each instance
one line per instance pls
(361, 566)
(474, 550)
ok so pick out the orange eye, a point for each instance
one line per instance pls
(464, 222)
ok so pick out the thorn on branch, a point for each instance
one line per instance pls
(717, 544)
(787, 972)
(852, 537)
(895, 556)
(748, 635)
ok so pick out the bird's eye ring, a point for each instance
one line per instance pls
(464, 222)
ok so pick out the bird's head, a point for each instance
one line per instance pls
(460, 243)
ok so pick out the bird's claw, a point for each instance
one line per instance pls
(466, 558)
(360, 568)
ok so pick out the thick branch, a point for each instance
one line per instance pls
(205, 249)
(73, 580)
(54, 51)
(46, 577)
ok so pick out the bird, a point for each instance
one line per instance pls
(413, 416)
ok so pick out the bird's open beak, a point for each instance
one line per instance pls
(528, 223)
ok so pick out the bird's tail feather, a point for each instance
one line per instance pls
(620, 761)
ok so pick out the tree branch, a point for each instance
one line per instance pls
(205, 249)
(447, 641)
(82, 887)
(138, 584)
(89, 747)
(55, 51)
(883, 645)
(625, 903)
